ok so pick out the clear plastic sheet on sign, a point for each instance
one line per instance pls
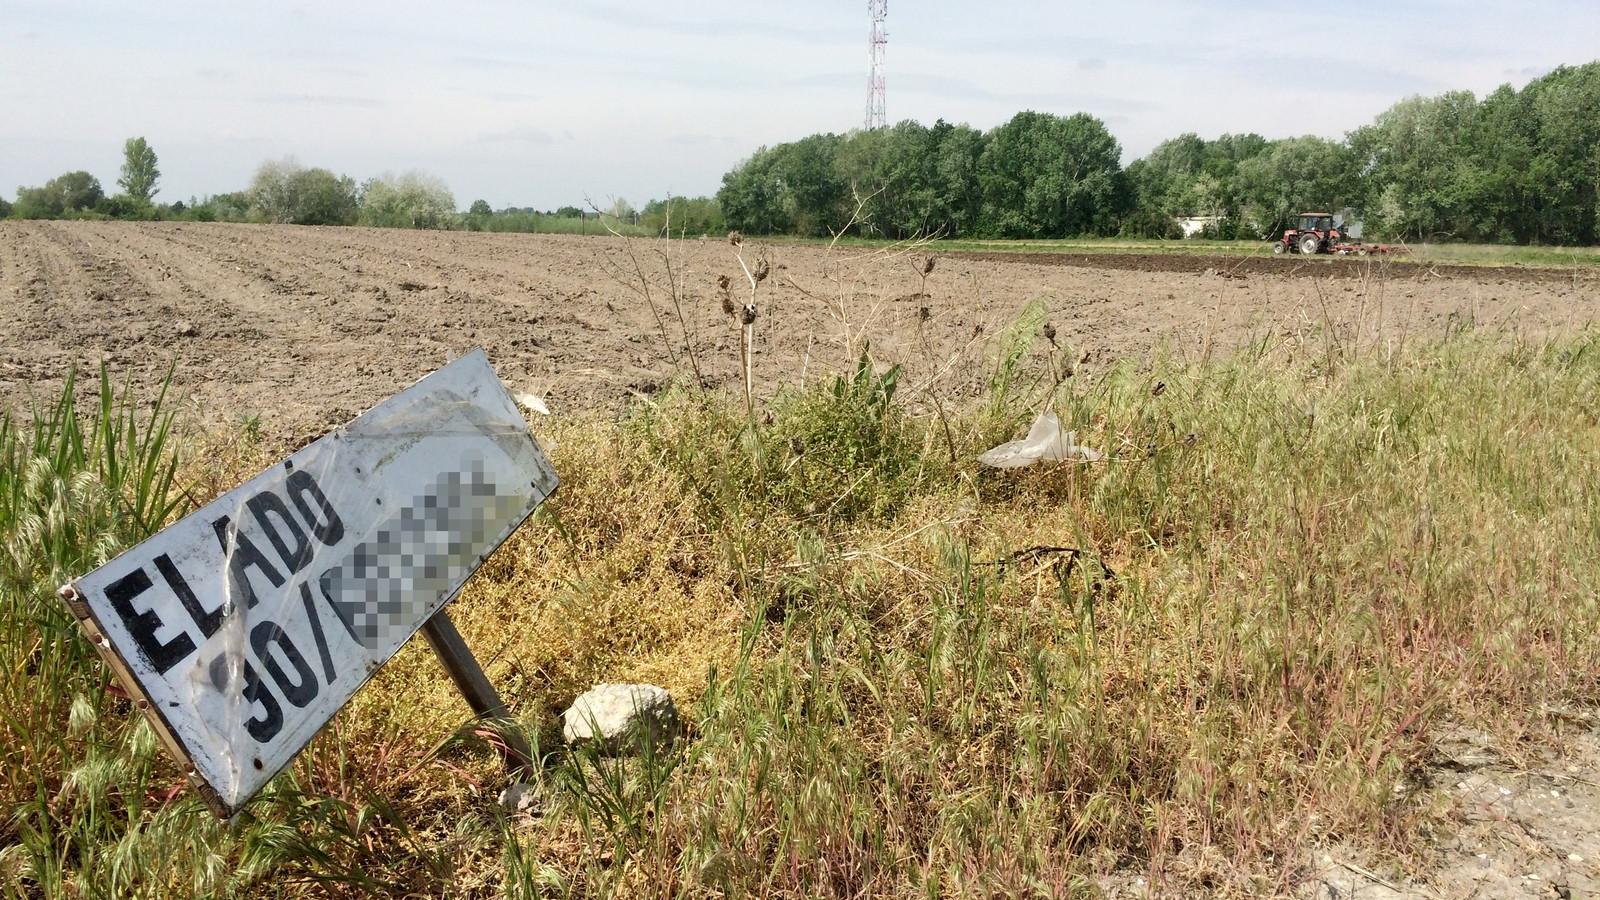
(1045, 441)
(252, 621)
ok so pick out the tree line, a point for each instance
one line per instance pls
(1517, 166)
(286, 192)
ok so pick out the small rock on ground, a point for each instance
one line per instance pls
(519, 797)
(620, 717)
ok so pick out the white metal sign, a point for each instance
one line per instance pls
(249, 623)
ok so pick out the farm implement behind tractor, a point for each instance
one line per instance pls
(1316, 233)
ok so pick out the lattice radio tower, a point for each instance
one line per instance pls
(877, 113)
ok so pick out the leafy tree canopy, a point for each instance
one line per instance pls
(285, 192)
(139, 171)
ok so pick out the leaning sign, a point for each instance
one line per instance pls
(244, 627)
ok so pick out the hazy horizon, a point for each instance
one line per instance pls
(532, 105)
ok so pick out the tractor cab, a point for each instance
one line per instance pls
(1316, 222)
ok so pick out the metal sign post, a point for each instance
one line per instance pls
(243, 628)
(464, 670)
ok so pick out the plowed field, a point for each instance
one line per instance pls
(302, 327)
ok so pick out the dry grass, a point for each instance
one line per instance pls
(1296, 564)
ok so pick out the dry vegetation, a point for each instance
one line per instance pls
(1229, 643)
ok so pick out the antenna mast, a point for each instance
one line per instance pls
(877, 39)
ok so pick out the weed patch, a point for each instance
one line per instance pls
(1224, 645)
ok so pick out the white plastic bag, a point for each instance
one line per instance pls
(532, 403)
(1045, 441)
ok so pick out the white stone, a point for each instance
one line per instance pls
(620, 716)
(518, 797)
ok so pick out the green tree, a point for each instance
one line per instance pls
(858, 163)
(234, 207)
(139, 171)
(1495, 196)
(1297, 175)
(1413, 154)
(1164, 180)
(1189, 176)
(323, 198)
(78, 190)
(751, 194)
(480, 208)
(1566, 170)
(891, 171)
(1517, 166)
(955, 168)
(684, 215)
(123, 206)
(409, 200)
(73, 192)
(791, 188)
(815, 197)
(285, 192)
(1051, 176)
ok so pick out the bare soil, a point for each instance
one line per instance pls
(303, 327)
(1527, 824)
(1397, 265)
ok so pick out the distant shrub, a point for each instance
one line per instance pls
(528, 221)
(684, 215)
(285, 192)
(408, 200)
(1151, 223)
(233, 207)
(74, 192)
(123, 206)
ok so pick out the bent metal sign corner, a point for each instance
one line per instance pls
(244, 627)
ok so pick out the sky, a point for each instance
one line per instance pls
(546, 104)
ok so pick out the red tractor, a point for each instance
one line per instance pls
(1315, 233)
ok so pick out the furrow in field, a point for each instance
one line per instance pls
(307, 326)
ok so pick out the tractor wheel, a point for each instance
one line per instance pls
(1310, 244)
(1277, 248)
